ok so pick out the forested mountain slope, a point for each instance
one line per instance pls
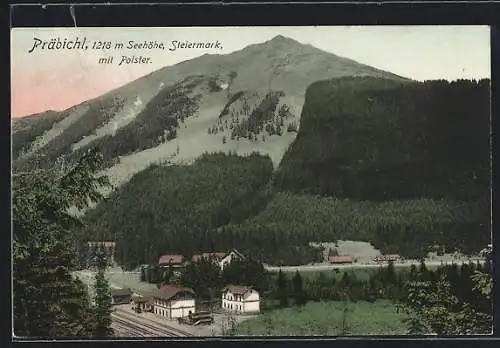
(401, 165)
(367, 138)
(175, 209)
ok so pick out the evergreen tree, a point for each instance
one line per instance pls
(48, 301)
(170, 274)
(391, 276)
(282, 289)
(437, 307)
(413, 272)
(423, 273)
(102, 300)
(298, 290)
(143, 274)
(345, 281)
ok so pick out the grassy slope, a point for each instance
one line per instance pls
(325, 318)
(27, 129)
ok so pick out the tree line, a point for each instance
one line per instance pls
(225, 201)
(289, 222)
(451, 300)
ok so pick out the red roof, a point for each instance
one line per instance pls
(170, 259)
(341, 259)
(216, 255)
(166, 292)
(237, 289)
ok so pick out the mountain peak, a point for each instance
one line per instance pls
(282, 39)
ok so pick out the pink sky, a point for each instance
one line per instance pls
(57, 80)
(36, 91)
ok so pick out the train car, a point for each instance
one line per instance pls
(198, 318)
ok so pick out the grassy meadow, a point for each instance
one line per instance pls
(326, 319)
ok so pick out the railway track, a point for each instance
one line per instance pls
(143, 330)
(126, 329)
(154, 328)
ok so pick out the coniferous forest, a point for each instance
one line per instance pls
(175, 209)
(403, 165)
(374, 139)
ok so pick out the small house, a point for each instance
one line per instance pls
(172, 301)
(142, 303)
(239, 298)
(222, 258)
(174, 260)
(341, 259)
(121, 296)
(230, 256)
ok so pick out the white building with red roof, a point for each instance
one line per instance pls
(172, 301)
(240, 298)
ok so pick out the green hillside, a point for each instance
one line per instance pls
(376, 139)
(25, 130)
(174, 209)
(402, 165)
(405, 227)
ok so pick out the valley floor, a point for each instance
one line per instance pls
(327, 319)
